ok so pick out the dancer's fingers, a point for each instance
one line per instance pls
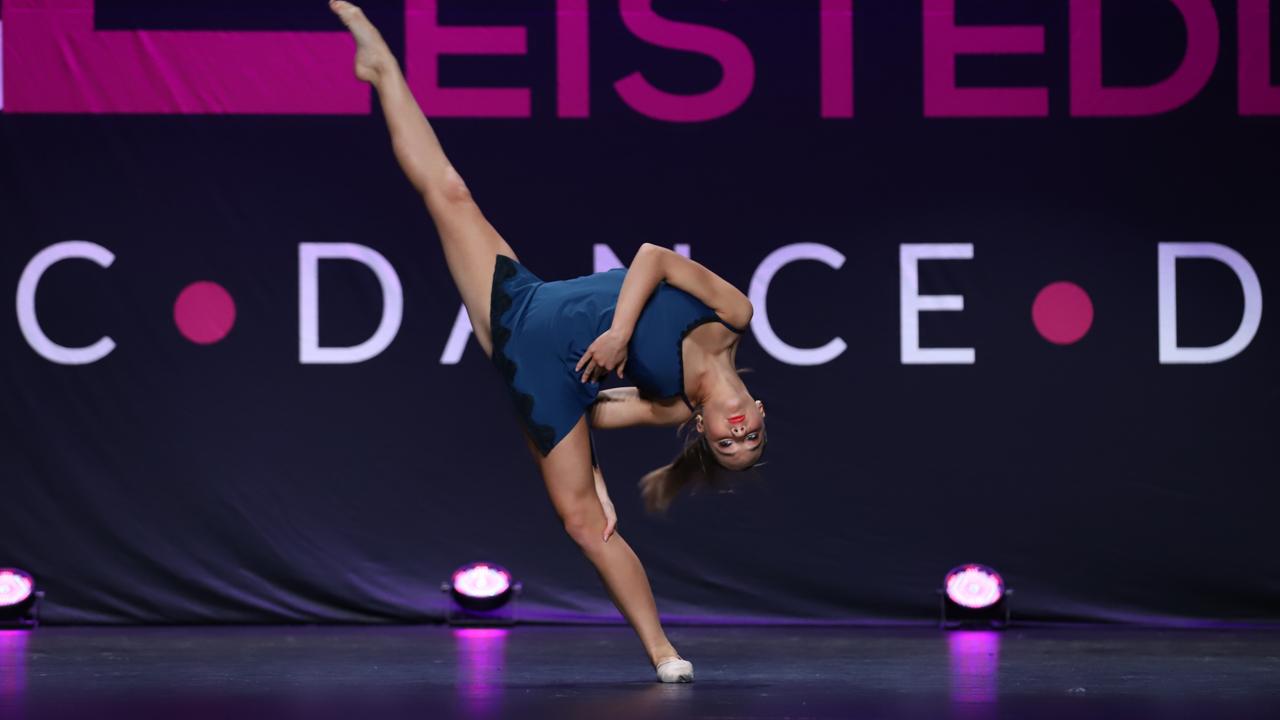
(586, 356)
(621, 365)
(591, 368)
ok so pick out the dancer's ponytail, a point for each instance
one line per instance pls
(694, 467)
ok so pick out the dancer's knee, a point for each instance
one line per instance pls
(446, 194)
(583, 526)
(454, 188)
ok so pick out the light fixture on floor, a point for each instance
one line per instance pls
(481, 593)
(19, 599)
(974, 595)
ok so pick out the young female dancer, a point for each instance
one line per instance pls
(667, 323)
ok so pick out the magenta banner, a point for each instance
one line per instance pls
(58, 62)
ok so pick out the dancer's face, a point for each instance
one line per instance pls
(734, 429)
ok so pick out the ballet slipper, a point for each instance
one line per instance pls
(675, 670)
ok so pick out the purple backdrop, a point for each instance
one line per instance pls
(1009, 263)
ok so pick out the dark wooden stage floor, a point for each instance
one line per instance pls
(598, 673)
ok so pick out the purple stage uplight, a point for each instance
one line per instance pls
(481, 580)
(974, 586)
(482, 594)
(16, 587)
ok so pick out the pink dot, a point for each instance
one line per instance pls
(204, 312)
(1062, 313)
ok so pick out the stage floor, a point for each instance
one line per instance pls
(599, 673)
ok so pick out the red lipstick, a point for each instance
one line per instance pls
(737, 419)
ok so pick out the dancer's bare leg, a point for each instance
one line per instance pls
(571, 484)
(470, 242)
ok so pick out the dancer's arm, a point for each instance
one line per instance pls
(653, 265)
(623, 407)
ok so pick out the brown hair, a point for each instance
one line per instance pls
(695, 467)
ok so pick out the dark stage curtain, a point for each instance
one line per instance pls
(220, 464)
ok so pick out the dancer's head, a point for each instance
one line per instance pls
(733, 430)
(726, 433)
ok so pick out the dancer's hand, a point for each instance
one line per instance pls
(607, 353)
(610, 518)
(602, 492)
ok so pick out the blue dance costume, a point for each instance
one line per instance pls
(541, 330)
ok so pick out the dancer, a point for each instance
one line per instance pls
(668, 324)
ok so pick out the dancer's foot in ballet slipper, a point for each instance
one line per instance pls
(373, 57)
(674, 669)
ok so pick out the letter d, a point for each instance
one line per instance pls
(1172, 353)
(309, 257)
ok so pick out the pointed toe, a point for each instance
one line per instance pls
(675, 671)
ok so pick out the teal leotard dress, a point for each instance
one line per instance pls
(541, 329)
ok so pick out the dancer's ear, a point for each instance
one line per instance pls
(760, 407)
(698, 421)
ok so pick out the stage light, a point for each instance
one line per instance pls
(973, 594)
(974, 586)
(18, 599)
(481, 586)
(482, 593)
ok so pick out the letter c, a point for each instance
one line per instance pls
(27, 319)
(759, 292)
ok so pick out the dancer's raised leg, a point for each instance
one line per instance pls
(470, 242)
(571, 484)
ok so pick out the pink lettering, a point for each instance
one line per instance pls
(55, 62)
(573, 59)
(1258, 96)
(837, 58)
(427, 40)
(1090, 99)
(944, 40)
(726, 49)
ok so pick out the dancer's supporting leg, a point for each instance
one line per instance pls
(569, 480)
(470, 244)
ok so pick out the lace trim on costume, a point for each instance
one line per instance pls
(543, 436)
